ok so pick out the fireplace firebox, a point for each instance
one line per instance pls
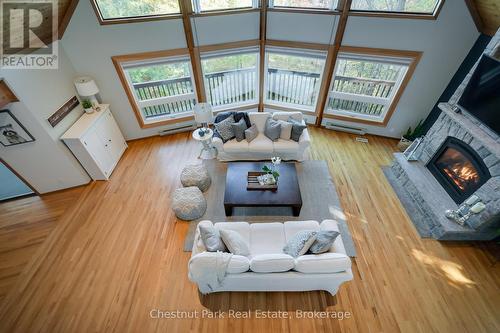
(459, 169)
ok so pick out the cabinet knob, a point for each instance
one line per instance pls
(109, 140)
(105, 145)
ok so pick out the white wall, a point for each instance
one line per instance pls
(300, 27)
(226, 28)
(46, 163)
(444, 42)
(90, 47)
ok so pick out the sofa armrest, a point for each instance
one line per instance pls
(218, 144)
(338, 245)
(198, 246)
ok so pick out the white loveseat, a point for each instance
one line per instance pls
(326, 271)
(262, 148)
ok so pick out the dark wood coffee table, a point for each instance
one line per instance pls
(237, 195)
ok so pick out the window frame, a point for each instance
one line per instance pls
(395, 14)
(318, 10)
(413, 58)
(228, 50)
(297, 49)
(133, 19)
(121, 62)
(196, 8)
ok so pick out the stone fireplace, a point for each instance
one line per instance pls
(457, 158)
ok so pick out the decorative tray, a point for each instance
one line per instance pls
(254, 185)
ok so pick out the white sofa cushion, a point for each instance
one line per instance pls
(266, 238)
(261, 144)
(233, 146)
(322, 263)
(292, 227)
(297, 115)
(259, 119)
(272, 263)
(285, 146)
(237, 264)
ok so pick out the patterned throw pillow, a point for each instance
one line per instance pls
(225, 128)
(239, 129)
(286, 130)
(251, 133)
(300, 243)
(324, 241)
(297, 129)
(272, 129)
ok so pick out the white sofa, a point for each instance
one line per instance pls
(326, 271)
(262, 148)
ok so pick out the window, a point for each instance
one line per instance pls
(307, 4)
(231, 77)
(365, 86)
(200, 6)
(162, 88)
(109, 10)
(293, 77)
(397, 6)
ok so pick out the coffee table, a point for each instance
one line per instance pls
(237, 195)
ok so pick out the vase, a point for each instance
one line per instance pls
(403, 144)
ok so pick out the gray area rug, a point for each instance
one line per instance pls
(319, 202)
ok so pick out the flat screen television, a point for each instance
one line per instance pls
(481, 97)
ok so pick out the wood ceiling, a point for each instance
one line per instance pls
(486, 15)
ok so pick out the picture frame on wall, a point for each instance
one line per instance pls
(12, 132)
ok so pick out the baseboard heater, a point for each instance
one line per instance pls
(343, 128)
(177, 129)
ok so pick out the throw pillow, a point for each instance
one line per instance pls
(251, 133)
(234, 242)
(299, 243)
(225, 128)
(324, 241)
(242, 115)
(286, 130)
(272, 129)
(239, 129)
(297, 129)
(222, 115)
(211, 239)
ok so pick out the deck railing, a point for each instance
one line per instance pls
(169, 97)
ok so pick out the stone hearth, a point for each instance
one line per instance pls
(423, 196)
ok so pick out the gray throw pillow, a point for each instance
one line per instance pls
(272, 129)
(225, 128)
(286, 130)
(297, 129)
(235, 243)
(239, 129)
(211, 239)
(251, 133)
(300, 243)
(324, 241)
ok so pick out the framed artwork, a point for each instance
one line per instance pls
(12, 132)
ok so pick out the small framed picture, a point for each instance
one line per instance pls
(12, 132)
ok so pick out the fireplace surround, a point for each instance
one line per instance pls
(458, 157)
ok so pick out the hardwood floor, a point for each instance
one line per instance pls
(114, 253)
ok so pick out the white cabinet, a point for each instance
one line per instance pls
(97, 142)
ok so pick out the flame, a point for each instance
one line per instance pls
(462, 174)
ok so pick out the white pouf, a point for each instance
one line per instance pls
(196, 175)
(189, 203)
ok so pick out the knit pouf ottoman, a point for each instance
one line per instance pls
(189, 203)
(196, 175)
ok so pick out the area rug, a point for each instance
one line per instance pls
(320, 201)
